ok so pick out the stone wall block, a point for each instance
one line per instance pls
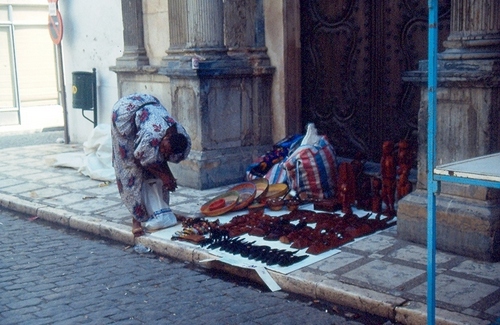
(465, 227)
(185, 108)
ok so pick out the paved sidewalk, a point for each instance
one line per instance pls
(379, 274)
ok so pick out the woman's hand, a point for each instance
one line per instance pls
(163, 172)
(169, 182)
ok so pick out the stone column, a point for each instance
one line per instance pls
(468, 217)
(474, 31)
(214, 94)
(134, 53)
(177, 26)
(244, 36)
(196, 30)
(205, 26)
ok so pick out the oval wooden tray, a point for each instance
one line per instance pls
(230, 197)
(247, 193)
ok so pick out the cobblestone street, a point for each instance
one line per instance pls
(53, 275)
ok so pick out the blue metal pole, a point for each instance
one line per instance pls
(431, 150)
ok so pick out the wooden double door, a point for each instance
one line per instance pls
(353, 56)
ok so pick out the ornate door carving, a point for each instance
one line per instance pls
(354, 53)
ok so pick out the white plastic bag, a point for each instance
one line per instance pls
(97, 162)
(96, 159)
(311, 137)
(161, 216)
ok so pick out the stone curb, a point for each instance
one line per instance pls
(316, 287)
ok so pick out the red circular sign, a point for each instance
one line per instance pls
(56, 27)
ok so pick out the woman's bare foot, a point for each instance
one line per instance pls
(137, 228)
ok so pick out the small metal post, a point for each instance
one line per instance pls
(94, 94)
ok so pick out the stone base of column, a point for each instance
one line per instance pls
(224, 103)
(468, 217)
(464, 226)
(133, 60)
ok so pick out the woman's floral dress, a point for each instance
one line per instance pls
(139, 122)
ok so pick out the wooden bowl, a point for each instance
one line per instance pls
(262, 185)
(275, 204)
(227, 202)
(247, 192)
(292, 204)
(276, 190)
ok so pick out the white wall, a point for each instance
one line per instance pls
(92, 38)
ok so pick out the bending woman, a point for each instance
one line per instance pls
(145, 138)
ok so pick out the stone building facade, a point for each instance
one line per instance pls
(230, 71)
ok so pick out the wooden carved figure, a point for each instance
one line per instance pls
(376, 201)
(363, 185)
(346, 187)
(388, 172)
(404, 186)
